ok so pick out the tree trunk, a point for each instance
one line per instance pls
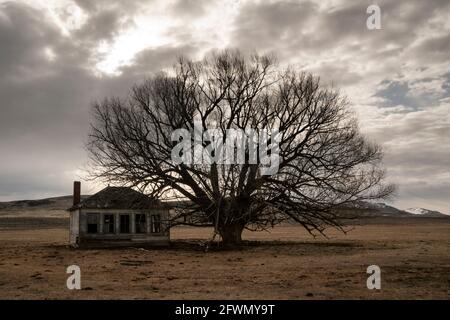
(231, 234)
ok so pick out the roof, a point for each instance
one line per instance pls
(118, 198)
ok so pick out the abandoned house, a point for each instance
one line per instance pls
(117, 216)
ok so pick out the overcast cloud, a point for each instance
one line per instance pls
(56, 57)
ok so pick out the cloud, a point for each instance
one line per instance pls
(44, 110)
(396, 93)
(417, 153)
(191, 8)
(272, 25)
(23, 51)
(55, 59)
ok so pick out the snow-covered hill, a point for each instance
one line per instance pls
(422, 211)
(377, 209)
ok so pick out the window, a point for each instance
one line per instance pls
(93, 220)
(140, 223)
(124, 223)
(108, 223)
(156, 223)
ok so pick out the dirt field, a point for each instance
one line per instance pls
(413, 254)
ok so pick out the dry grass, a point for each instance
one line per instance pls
(285, 264)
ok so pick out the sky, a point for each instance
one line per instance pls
(58, 57)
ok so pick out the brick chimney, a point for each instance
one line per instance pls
(76, 192)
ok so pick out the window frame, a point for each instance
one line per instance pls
(88, 223)
(155, 224)
(113, 222)
(121, 224)
(138, 224)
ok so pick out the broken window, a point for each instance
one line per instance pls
(140, 223)
(93, 220)
(155, 223)
(124, 223)
(108, 223)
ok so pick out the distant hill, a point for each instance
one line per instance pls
(50, 207)
(35, 214)
(380, 209)
(55, 203)
(425, 212)
(59, 204)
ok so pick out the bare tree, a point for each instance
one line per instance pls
(325, 163)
